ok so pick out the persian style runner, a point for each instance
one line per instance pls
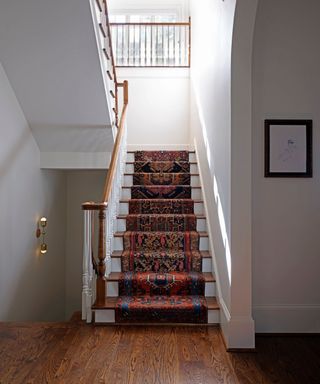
(161, 280)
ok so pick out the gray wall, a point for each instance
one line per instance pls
(35, 287)
(286, 212)
(31, 285)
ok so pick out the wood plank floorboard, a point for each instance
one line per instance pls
(73, 353)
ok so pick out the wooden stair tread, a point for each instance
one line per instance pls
(204, 254)
(121, 234)
(110, 303)
(208, 277)
(212, 303)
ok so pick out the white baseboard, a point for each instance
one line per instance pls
(287, 318)
(159, 147)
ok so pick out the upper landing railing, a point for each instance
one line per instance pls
(152, 44)
(107, 56)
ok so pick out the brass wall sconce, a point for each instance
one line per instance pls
(41, 232)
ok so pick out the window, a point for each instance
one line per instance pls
(148, 39)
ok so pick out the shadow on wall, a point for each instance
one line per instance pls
(214, 187)
(219, 242)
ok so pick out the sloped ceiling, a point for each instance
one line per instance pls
(49, 52)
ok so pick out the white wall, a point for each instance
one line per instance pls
(211, 120)
(158, 113)
(82, 186)
(182, 6)
(31, 285)
(221, 128)
(286, 212)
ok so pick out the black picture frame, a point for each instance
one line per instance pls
(288, 148)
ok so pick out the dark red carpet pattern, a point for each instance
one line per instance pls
(165, 223)
(161, 261)
(161, 167)
(168, 206)
(161, 179)
(161, 192)
(161, 278)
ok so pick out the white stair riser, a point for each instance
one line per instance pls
(207, 265)
(116, 265)
(214, 316)
(113, 289)
(210, 289)
(128, 181)
(198, 208)
(195, 194)
(130, 157)
(130, 168)
(107, 316)
(118, 244)
(201, 225)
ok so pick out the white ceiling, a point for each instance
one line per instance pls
(49, 52)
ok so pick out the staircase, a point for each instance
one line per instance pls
(161, 263)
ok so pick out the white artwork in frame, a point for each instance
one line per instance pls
(288, 148)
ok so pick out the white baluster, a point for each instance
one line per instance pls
(86, 263)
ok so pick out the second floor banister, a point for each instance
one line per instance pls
(152, 44)
(108, 59)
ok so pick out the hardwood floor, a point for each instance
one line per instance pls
(77, 353)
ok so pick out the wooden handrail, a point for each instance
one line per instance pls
(116, 148)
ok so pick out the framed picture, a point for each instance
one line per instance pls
(288, 148)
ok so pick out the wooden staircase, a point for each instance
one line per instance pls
(105, 313)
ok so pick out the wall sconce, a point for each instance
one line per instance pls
(41, 232)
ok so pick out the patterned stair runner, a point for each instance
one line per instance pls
(161, 278)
